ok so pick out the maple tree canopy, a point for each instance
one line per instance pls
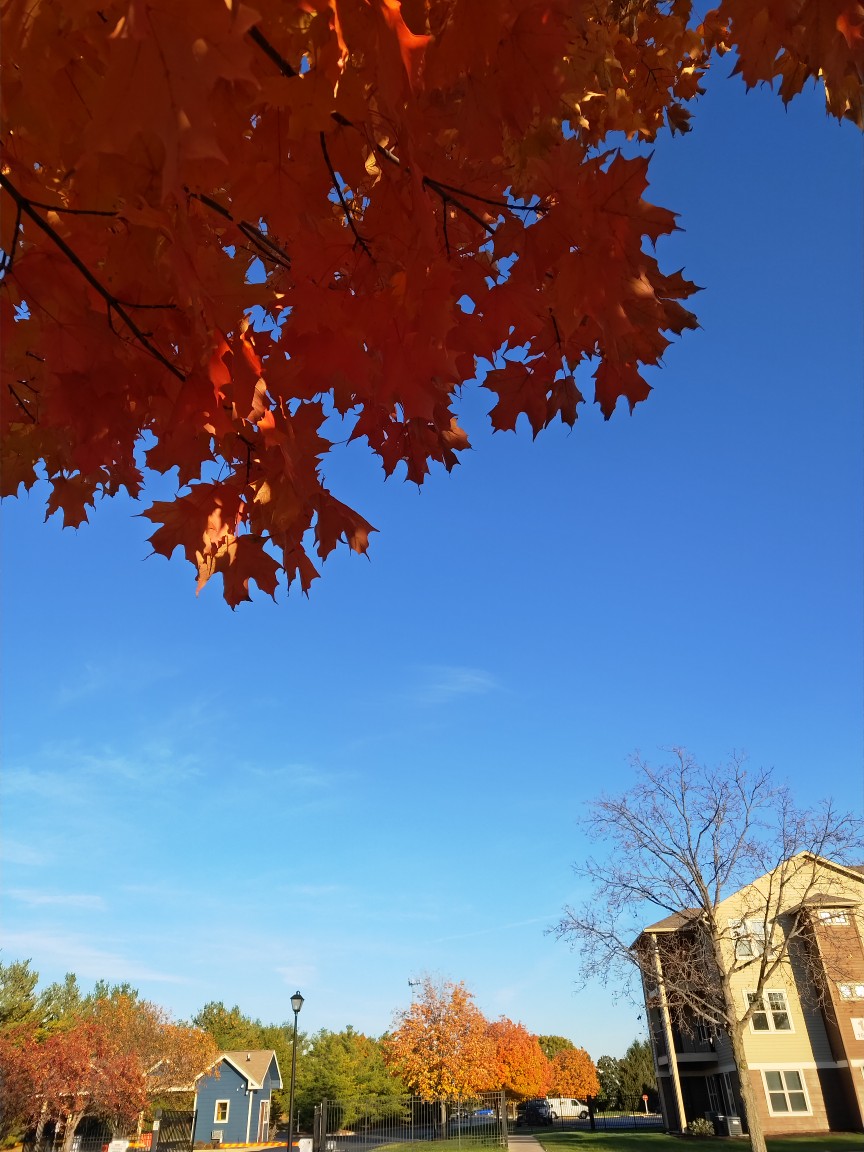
(234, 235)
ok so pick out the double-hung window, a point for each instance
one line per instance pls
(220, 1114)
(786, 1092)
(770, 1013)
(750, 938)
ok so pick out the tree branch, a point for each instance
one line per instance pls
(267, 248)
(348, 214)
(257, 37)
(112, 303)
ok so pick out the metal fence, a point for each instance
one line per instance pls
(172, 1132)
(597, 1114)
(356, 1125)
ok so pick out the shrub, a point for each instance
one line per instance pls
(700, 1127)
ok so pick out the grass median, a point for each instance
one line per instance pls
(660, 1142)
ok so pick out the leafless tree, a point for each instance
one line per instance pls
(678, 843)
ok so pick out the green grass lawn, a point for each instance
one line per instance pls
(660, 1142)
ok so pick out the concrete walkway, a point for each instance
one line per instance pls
(517, 1142)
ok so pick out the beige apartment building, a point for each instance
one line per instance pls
(804, 1042)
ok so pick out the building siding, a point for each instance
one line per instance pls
(821, 1045)
(230, 1086)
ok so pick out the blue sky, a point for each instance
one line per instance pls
(342, 793)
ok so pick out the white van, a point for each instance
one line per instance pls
(567, 1108)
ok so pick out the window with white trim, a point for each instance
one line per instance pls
(750, 938)
(834, 917)
(786, 1092)
(851, 991)
(858, 1027)
(220, 1115)
(771, 1012)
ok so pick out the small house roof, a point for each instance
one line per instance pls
(251, 1063)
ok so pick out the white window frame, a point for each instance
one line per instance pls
(834, 917)
(768, 1012)
(751, 937)
(216, 1117)
(783, 1072)
(854, 991)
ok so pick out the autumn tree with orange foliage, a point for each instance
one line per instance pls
(107, 1059)
(523, 1069)
(574, 1073)
(73, 1072)
(441, 1047)
(234, 236)
(169, 1055)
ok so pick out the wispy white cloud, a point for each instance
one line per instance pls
(297, 974)
(317, 890)
(69, 952)
(440, 683)
(65, 773)
(36, 898)
(16, 852)
(92, 680)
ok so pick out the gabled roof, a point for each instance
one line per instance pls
(826, 900)
(251, 1063)
(686, 916)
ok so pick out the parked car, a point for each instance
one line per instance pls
(535, 1113)
(464, 1117)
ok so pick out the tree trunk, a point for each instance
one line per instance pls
(736, 1037)
(72, 1122)
(748, 1096)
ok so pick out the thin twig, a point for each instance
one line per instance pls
(73, 211)
(9, 257)
(112, 303)
(23, 406)
(428, 182)
(267, 248)
(348, 215)
(439, 184)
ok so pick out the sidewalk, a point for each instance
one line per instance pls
(517, 1142)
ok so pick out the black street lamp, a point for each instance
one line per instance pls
(296, 1005)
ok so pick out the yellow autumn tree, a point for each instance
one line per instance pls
(169, 1054)
(441, 1046)
(574, 1074)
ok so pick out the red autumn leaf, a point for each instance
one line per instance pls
(229, 230)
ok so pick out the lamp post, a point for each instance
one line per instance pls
(296, 1005)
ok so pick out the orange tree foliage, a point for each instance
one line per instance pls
(234, 234)
(168, 1055)
(523, 1069)
(574, 1074)
(75, 1071)
(104, 1062)
(441, 1046)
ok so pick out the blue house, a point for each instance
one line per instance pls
(232, 1098)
